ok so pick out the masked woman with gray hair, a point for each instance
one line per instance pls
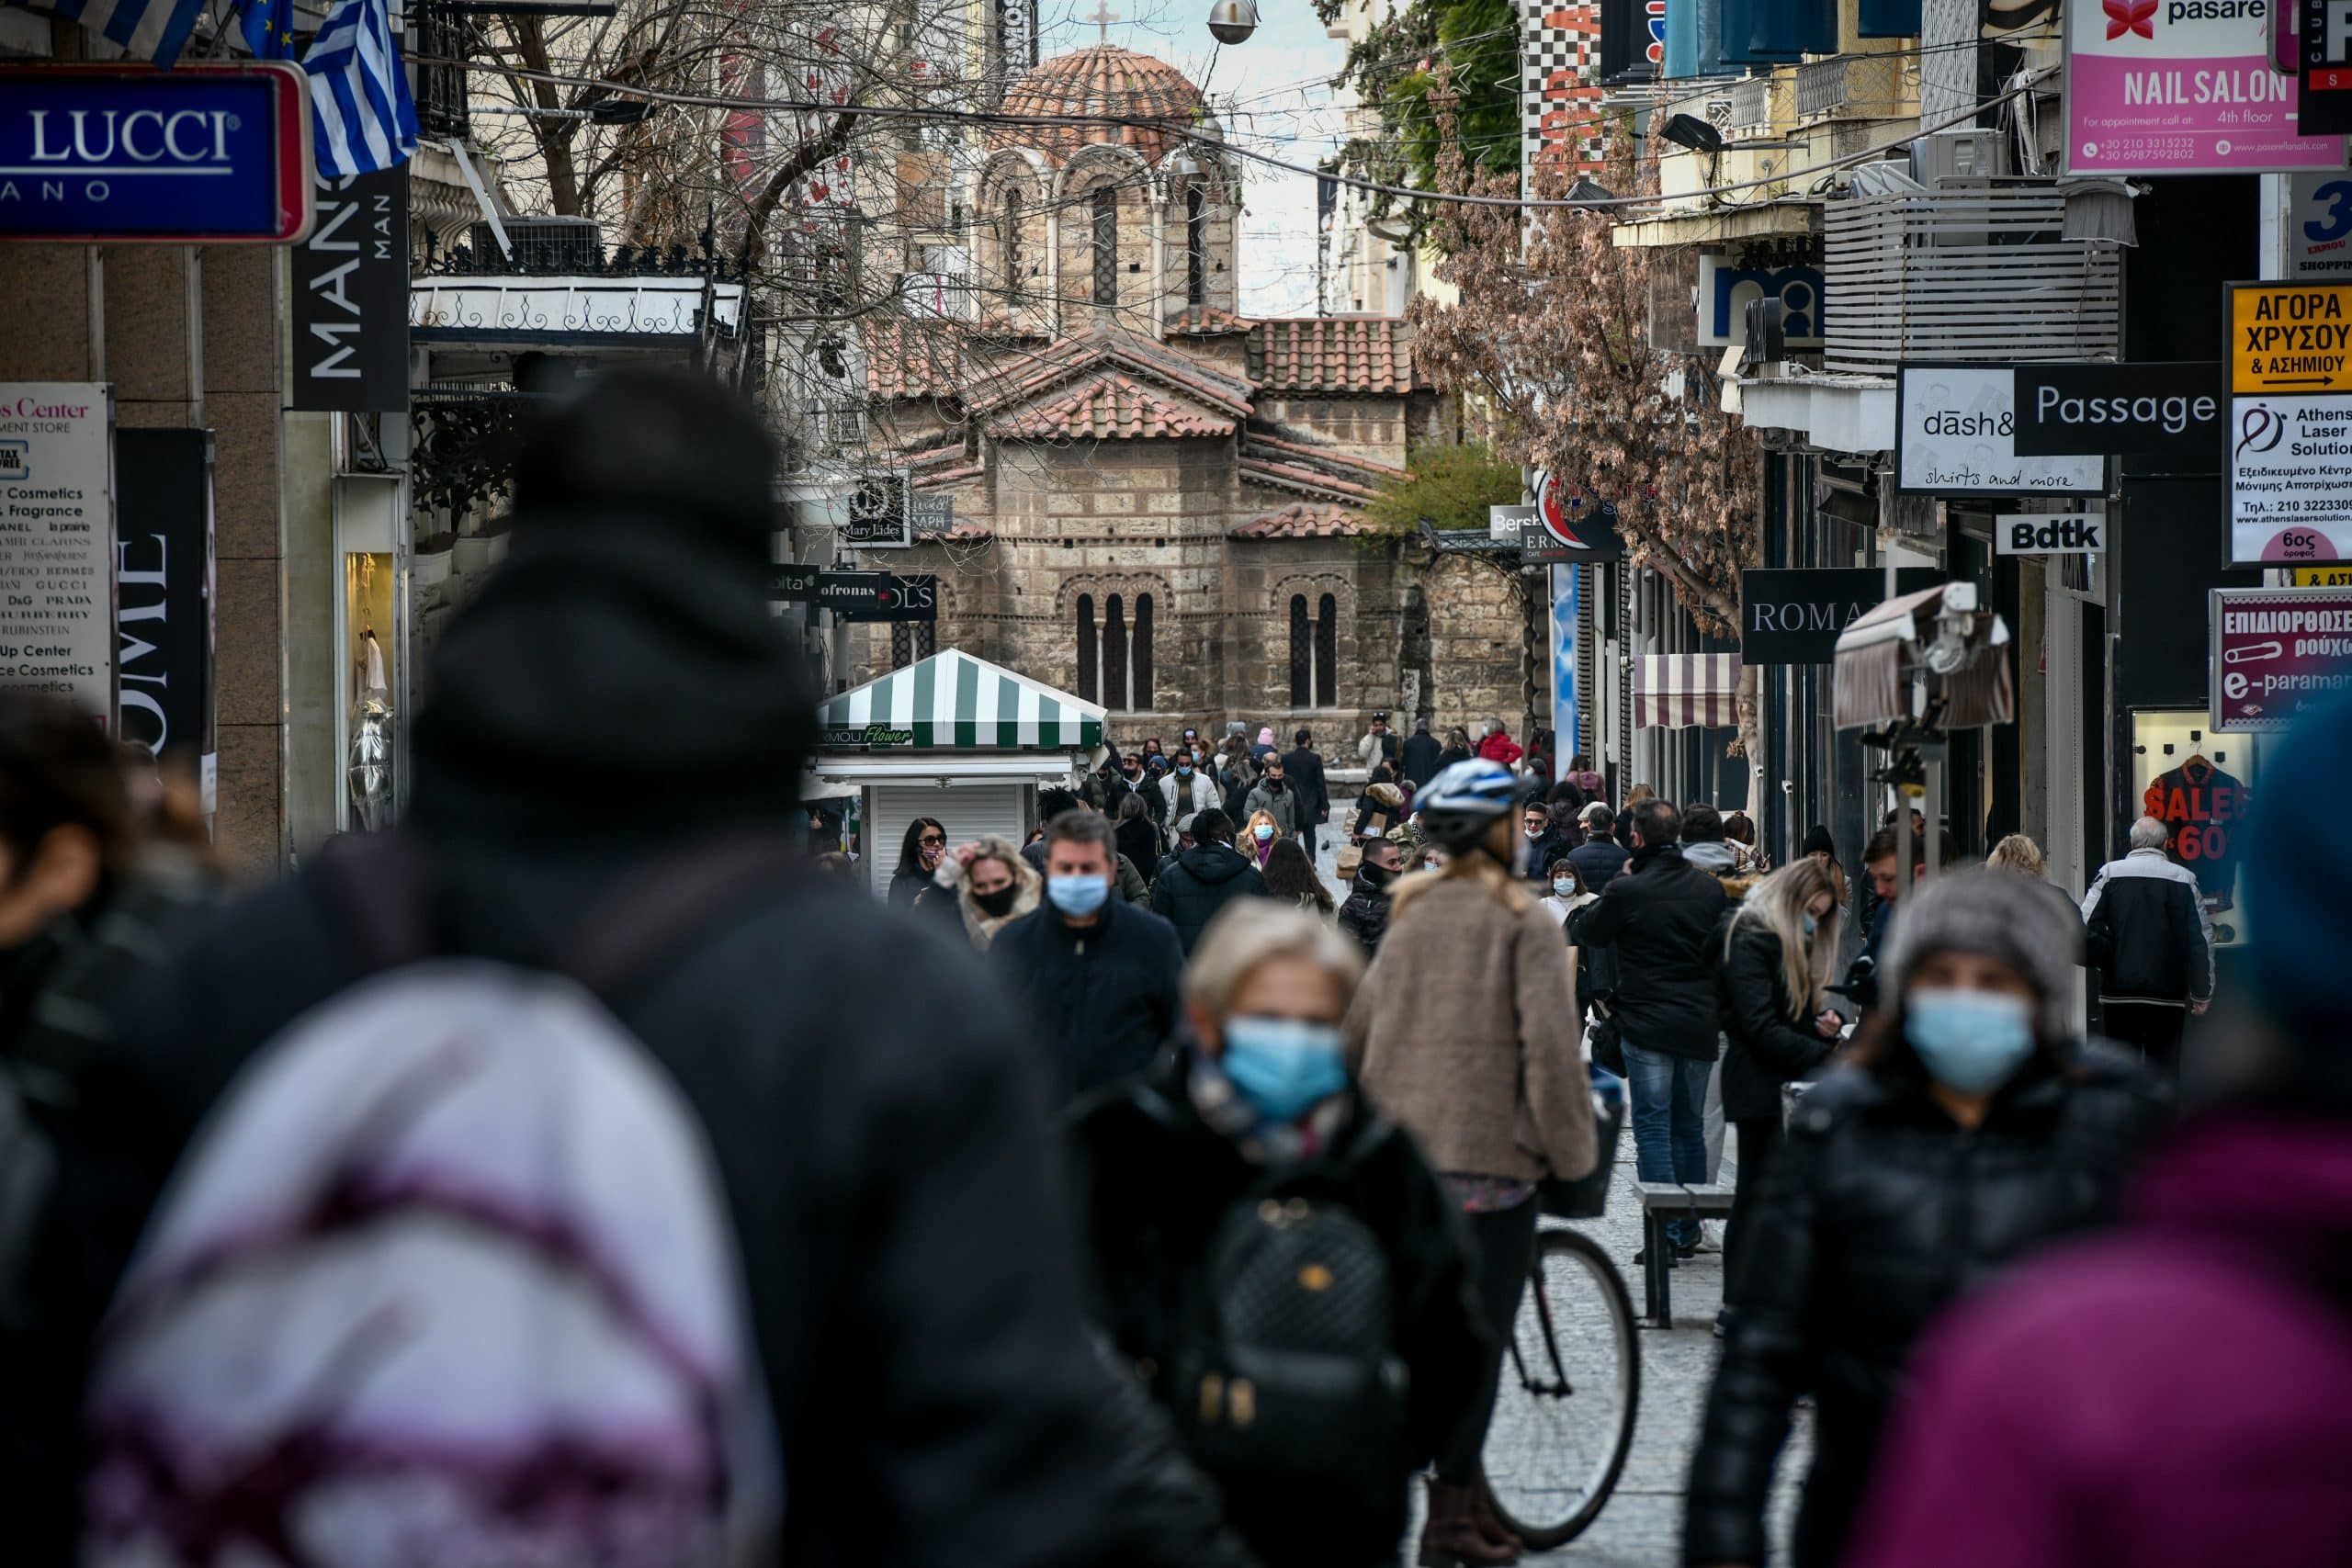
(1273, 1257)
(1971, 1126)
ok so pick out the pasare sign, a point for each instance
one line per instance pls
(207, 154)
(2276, 651)
(2180, 87)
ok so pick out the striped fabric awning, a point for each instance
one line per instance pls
(1675, 691)
(953, 701)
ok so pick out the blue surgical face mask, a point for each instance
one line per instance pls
(1970, 1040)
(1563, 888)
(1811, 925)
(1283, 1067)
(1184, 770)
(1077, 895)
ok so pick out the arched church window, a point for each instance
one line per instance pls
(1107, 247)
(1197, 244)
(911, 641)
(1087, 685)
(1302, 653)
(1115, 657)
(1326, 653)
(1140, 657)
(1013, 242)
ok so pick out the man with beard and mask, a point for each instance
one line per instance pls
(1275, 796)
(1364, 914)
(615, 708)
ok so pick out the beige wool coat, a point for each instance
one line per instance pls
(1465, 1033)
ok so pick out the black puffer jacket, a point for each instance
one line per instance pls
(1661, 916)
(1194, 886)
(1154, 1179)
(1879, 1212)
(1100, 998)
(1763, 1047)
(1365, 915)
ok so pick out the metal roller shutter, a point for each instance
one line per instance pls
(966, 811)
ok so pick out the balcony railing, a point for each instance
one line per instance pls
(1853, 86)
(504, 308)
(1751, 103)
(1976, 276)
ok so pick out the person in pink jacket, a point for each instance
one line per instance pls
(2178, 1392)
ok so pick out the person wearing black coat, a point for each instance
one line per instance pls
(1773, 1035)
(867, 1149)
(1662, 920)
(1601, 857)
(1162, 1165)
(1195, 885)
(1971, 1128)
(1418, 758)
(1141, 843)
(1363, 914)
(919, 858)
(1304, 771)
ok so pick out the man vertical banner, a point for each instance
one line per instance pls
(1566, 707)
(350, 298)
(163, 585)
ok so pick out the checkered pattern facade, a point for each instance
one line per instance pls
(1559, 101)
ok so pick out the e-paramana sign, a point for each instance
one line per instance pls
(2276, 651)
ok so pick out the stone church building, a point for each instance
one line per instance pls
(1156, 501)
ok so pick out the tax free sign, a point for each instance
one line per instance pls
(114, 153)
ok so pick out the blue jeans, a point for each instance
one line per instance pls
(1669, 1116)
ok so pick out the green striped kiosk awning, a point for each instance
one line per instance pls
(953, 701)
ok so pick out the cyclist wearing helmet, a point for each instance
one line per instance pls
(1465, 1031)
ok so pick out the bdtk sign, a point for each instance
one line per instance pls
(2028, 534)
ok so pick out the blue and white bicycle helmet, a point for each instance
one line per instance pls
(1458, 808)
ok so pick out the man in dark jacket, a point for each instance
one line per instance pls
(862, 1146)
(1304, 771)
(1099, 976)
(1601, 857)
(1365, 915)
(1417, 761)
(2150, 940)
(1204, 879)
(1662, 918)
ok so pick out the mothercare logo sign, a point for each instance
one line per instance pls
(2179, 87)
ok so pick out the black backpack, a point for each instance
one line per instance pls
(1287, 1385)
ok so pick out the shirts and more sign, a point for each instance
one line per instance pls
(57, 627)
(2180, 87)
(1955, 433)
(2289, 436)
(350, 298)
(204, 154)
(2276, 651)
(1794, 617)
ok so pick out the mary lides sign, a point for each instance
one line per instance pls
(1794, 616)
(202, 153)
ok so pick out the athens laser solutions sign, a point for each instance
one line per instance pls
(126, 152)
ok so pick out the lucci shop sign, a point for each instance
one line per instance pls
(128, 153)
(1794, 617)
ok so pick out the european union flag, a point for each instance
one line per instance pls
(269, 28)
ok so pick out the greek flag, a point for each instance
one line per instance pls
(359, 101)
(148, 30)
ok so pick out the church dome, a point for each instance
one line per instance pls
(1097, 85)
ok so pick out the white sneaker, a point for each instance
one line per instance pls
(1711, 1237)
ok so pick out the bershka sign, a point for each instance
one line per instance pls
(2180, 87)
(109, 154)
(879, 595)
(2276, 651)
(2037, 534)
(1794, 617)
(2140, 409)
(350, 298)
(1955, 433)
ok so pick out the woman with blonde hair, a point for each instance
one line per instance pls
(2018, 853)
(1248, 1145)
(991, 885)
(1779, 948)
(1258, 838)
(1467, 1032)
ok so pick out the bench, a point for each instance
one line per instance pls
(1661, 1201)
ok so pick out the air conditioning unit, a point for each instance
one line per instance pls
(1946, 158)
(547, 244)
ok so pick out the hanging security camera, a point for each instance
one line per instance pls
(1232, 21)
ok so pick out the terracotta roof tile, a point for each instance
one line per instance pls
(1279, 450)
(1302, 479)
(1110, 406)
(1075, 100)
(1207, 321)
(1303, 520)
(1332, 354)
(940, 478)
(911, 357)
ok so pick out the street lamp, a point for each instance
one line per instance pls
(1232, 21)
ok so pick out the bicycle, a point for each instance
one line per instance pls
(1572, 1378)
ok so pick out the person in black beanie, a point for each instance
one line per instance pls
(617, 706)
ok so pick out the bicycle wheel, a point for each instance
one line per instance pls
(1571, 1384)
